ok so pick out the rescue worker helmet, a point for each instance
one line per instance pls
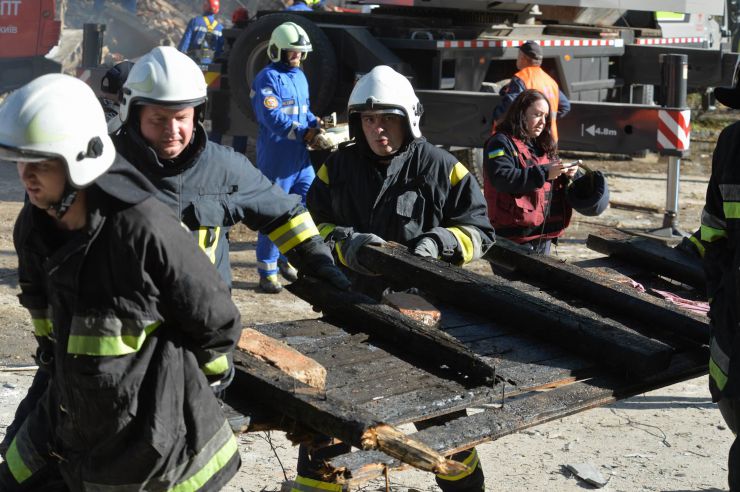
(56, 116)
(384, 90)
(211, 6)
(288, 36)
(588, 194)
(164, 77)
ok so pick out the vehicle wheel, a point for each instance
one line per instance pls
(473, 160)
(249, 55)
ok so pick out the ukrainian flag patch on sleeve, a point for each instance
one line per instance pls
(495, 153)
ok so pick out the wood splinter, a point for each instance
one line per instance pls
(396, 444)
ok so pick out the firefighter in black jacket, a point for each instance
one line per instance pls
(129, 315)
(391, 184)
(209, 186)
(720, 236)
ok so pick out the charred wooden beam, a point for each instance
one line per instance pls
(653, 256)
(429, 346)
(594, 288)
(610, 343)
(311, 408)
(521, 413)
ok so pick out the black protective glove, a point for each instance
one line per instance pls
(349, 243)
(444, 240)
(313, 257)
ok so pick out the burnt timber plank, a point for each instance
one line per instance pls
(365, 314)
(315, 410)
(653, 256)
(592, 287)
(608, 343)
(525, 411)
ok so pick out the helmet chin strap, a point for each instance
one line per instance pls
(62, 206)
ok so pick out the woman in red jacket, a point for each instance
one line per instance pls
(525, 182)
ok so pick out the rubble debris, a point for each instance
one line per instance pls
(283, 357)
(588, 473)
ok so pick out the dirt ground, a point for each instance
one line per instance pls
(672, 439)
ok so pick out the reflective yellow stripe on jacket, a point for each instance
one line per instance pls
(210, 460)
(719, 365)
(219, 365)
(293, 232)
(730, 200)
(712, 227)
(208, 241)
(108, 336)
(22, 457)
(42, 324)
(457, 174)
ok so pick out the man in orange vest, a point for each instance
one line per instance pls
(531, 76)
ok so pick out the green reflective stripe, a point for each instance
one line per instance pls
(712, 221)
(731, 209)
(293, 232)
(340, 256)
(719, 356)
(472, 463)
(720, 378)
(323, 174)
(210, 460)
(730, 192)
(214, 465)
(109, 345)
(303, 484)
(21, 472)
(698, 245)
(219, 365)
(458, 173)
(496, 153)
(42, 327)
(325, 229)
(709, 234)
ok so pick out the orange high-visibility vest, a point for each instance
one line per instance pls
(536, 78)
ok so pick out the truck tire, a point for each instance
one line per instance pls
(249, 55)
(473, 160)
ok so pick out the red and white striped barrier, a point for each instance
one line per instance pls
(652, 41)
(513, 43)
(83, 74)
(674, 129)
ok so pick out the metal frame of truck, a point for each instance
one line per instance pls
(450, 64)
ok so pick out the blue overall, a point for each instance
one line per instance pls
(280, 102)
(203, 33)
(299, 7)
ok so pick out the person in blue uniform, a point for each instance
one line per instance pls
(286, 126)
(203, 38)
(302, 6)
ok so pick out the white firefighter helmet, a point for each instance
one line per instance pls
(288, 36)
(163, 77)
(57, 117)
(386, 91)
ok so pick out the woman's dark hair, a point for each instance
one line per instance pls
(515, 124)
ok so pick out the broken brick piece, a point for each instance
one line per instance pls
(283, 357)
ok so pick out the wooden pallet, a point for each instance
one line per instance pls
(537, 379)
